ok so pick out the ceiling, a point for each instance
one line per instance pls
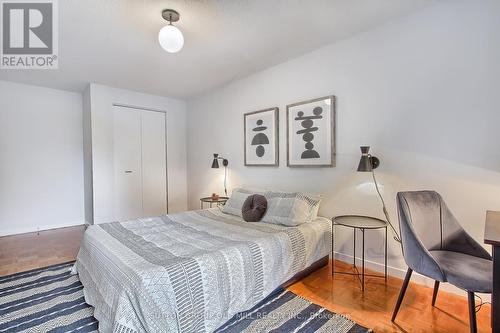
(114, 42)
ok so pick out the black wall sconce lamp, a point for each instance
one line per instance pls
(215, 165)
(368, 163)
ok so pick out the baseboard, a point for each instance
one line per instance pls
(400, 273)
(25, 230)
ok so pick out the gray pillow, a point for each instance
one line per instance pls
(254, 208)
(291, 209)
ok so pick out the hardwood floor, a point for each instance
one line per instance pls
(340, 293)
(373, 308)
(28, 251)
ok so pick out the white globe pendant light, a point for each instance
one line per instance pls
(170, 37)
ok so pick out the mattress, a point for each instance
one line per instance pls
(192, 271)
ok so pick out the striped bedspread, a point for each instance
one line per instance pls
(190, 272)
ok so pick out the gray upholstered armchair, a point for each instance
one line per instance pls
(435, 245)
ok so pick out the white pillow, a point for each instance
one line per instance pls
(234, 204)
(291, 209)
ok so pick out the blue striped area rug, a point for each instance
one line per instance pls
(283, 311)
(50, 299)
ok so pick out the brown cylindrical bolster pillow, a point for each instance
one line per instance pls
(254, 208)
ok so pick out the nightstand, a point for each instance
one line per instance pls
(362, 223)
(220, 201)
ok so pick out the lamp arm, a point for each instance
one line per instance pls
(397, 238)
(225, 178)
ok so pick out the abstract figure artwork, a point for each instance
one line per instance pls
(311, 133)
(261, 137)
(307, 133)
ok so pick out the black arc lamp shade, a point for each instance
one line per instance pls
(215, 163)
(367, 162)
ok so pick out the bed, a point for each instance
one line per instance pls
(192, 271)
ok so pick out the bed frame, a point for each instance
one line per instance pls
(302, 274)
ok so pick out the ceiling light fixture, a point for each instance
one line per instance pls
(170, 37)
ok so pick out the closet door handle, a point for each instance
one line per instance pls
(128, 171)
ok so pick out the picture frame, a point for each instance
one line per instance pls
(310, 137)
(261, 137)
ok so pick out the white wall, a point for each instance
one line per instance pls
(41, 160)
(421, 90)
(87, 157)
(101, 99)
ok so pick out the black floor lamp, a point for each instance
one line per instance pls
(215, 165)
(368, 163)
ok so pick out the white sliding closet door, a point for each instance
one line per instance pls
(127, 163)
(154, 163)
(140, 168)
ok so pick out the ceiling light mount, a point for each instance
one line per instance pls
(170, 15)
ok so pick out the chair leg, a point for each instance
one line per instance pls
(472, 312)
(435, 293)
(402, 293)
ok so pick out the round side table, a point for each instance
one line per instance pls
(362, 223)
(218, 202)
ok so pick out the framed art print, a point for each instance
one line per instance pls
(311, 133)
(261, 137)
